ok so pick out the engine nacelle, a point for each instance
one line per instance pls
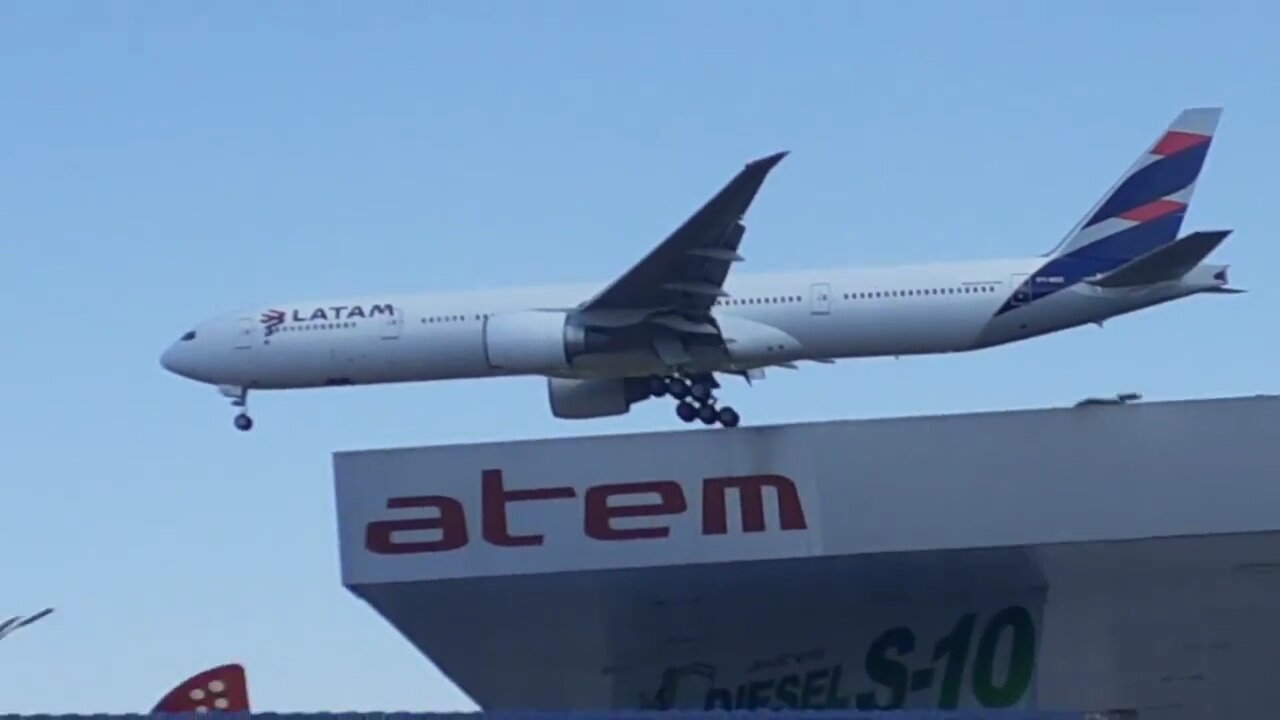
(597, 397)
(532, 341)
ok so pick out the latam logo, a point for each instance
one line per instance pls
(273, 319)
(447, 521)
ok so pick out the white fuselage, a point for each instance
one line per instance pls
(830, 314)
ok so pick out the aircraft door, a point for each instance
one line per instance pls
(1021, 289)
(820, 298)
(245, 331)
(391, 325)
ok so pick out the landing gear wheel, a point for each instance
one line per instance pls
(686, 411)
(707, 414)
(678, 388)
(729, 417)
(700, 391)
(239, 399)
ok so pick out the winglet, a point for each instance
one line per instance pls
(769, 161)
(741, 191)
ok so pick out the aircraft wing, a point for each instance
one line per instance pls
(684, 275)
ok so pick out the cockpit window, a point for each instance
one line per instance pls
(189, 335)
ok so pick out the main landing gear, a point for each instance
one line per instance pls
(695, 399)
(239, 398)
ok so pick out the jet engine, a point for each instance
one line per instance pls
(532, 342)
(597, 397)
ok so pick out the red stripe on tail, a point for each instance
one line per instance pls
(1151, 211)
(1176, 141)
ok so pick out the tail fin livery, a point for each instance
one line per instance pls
(1144, 210)
(1140, 214)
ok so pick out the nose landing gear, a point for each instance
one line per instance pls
(695, 399)
(239, 398)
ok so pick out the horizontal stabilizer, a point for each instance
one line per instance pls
(1165, 263)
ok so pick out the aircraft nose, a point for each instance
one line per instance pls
(186, 357)
(169, 359)
(177, 360)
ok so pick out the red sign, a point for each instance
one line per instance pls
(446, 518)
(223, 688)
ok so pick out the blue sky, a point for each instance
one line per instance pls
(164, 162)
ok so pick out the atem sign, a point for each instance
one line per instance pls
(444, 521)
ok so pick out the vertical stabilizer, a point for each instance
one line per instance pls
(1144, 210)
(1141, 213)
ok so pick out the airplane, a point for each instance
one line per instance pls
(676, 320)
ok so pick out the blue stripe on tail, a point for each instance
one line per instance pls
(1161, 178)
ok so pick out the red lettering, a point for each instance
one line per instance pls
(450, 520)
(715, 511)
(494, 500)
(599, 514)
